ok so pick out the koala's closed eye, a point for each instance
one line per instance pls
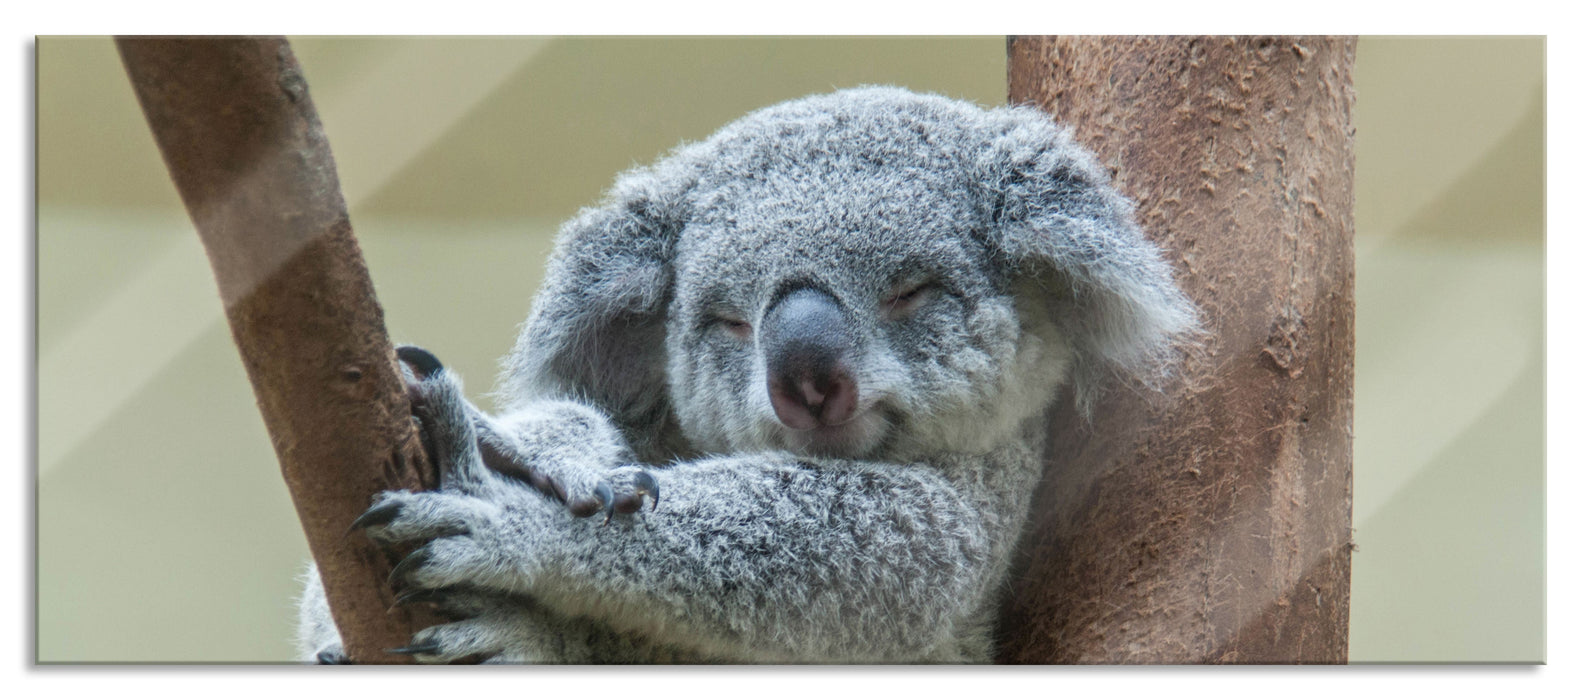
(909, 298)
(731, 325)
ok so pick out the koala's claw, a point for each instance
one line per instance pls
(332, 655)
(643, 484)
(381, 514)
(416, 648)
(606, 501)
(646, 484)
(421, 595)
(423, 363)
(486, 628)
(603, 497)
(412, 562)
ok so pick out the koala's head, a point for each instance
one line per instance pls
(863, 273)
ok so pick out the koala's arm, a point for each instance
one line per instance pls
(762, 557)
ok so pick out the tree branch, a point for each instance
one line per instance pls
(245, 148)
(1212, 524)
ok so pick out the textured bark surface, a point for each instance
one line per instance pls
(243, 144)
(1211, 524)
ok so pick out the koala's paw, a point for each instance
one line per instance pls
(491, 628)
(462, 536)
(585, 491)
(622, 490)
(504, 457)
(445, 418)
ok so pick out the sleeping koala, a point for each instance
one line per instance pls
(827, 336)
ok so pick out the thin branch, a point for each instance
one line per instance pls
(245, 148)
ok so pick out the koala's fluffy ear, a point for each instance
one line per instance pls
(1057, 223)
(597, 329)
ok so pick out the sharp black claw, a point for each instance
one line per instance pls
(606, 500)
(603, 500)
(331, 658)
(420, 595)
(646, 484)
(424, 364)
(380, 514)
(412, 561)
(410, 649)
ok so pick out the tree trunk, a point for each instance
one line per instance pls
(245, 148)
(1210, 524)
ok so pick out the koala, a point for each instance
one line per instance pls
(781, 397)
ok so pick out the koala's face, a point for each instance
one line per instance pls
(835, 301)
(870, 273)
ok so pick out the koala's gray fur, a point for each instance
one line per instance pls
(978, 260)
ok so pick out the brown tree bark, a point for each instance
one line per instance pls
(1210, 524)
(245, 148)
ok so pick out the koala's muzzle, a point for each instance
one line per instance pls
(807, 344)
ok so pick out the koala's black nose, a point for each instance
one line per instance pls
(807, 343)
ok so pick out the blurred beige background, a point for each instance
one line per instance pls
(165, 533)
